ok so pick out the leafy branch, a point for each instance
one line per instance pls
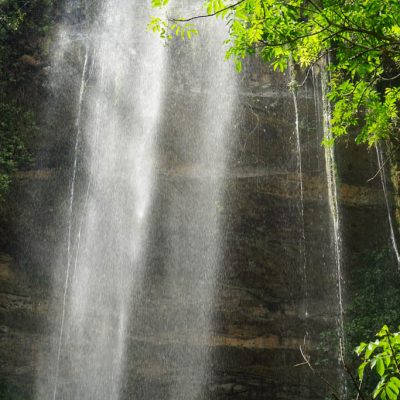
(382, 356)
(363, 38)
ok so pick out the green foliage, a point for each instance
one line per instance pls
(22, 26)
(166, 31)
(375, 297)
(159, 3)
(382, 356)
(19, 20)
(361, 37)
(375, 301)
(12, 16)
(16, 126)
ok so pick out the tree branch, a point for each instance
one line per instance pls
(358, 387)
(207, 15)
(293, 40)
(388, 158)
(307, 361)
(393, 353)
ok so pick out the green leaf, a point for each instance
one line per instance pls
(383, 332)
(394, 387)
(391, 394)
(395, 381)
(159, 3)
(378, 389)
(370, 349)
(360, 370)
(360, 348)
(380, 366)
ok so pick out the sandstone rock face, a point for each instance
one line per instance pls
(277, 288)
(263, 292)
(23, 309)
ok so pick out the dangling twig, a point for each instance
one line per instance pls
(307, 361)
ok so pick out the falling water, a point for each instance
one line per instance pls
(71, 206)
(194, 187)
(317, 100)
(146, 215)
(334, 209)
(293, 88)
(381, 165)
(117, 124)
(117, 176)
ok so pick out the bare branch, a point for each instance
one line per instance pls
(206, 15)
(307, 361)
(295, 39)
(379, 170)
(390, 79)
(388, 158)
(355, 383)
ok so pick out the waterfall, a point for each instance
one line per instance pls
(202, 235)
(300, 177)
(71, 208)
(116, 186)
(191, 195)
(334, 210)
(293, 87)
(149, 308)
(381, 166)
(117, 125)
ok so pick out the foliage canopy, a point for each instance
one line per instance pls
(383, 357)
(361, 38)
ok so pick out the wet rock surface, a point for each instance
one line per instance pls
(274, 269)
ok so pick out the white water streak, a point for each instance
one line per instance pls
(293, 89)
(379, 155)
(334, 208)
(70, 216)
(98, 109)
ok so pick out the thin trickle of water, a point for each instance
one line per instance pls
(299, 158)
(70, 215)
(379, 156)
(334, 208)
(97, 130)
(293, 90)
(317, 105)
